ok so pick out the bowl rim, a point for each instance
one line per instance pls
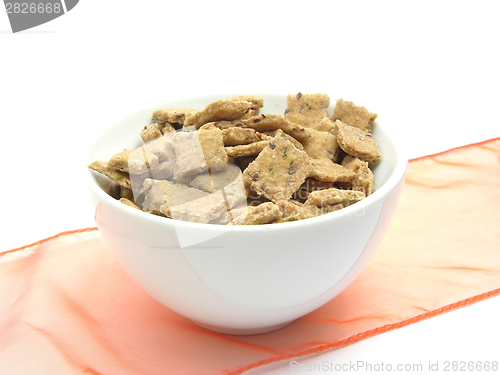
(393, 181)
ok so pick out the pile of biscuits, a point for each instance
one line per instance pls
(230, 164)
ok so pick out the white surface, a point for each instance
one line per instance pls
(429, 69)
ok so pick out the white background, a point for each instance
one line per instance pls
(428, 68)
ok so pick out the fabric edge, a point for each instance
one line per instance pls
(39, 242)
(376, 331)
(454, 149)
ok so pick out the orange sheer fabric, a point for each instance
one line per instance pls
(67, 307)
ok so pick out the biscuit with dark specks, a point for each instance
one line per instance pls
(307, 110)
(238, 136)
(256, 101)
(288, 136)
(279, 170)
(223, 124)
(273, 122)
(353, 115)
(174, 115)
(219, 110)
(265, 123)
(357, 142)
(151, 132)
(251, 149)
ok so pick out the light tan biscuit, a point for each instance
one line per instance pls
(288, 136)
(288, 208)
(250, 149)
(222, 124)
(307, 109)
(119, 161)
(174, 115)
(273, 122)
(129, 203)
(325, 125)
(169, 128)
(357, 142)
(326, 170)
(328, 197)
(238, 136)
(279, 170)
(250, 113)
(256, 102)
(321, 145)
(309, 185)
(213, 146)
(219, 110)
(308, 212)
(364, 180)
(119, 177)
(353, 115)
(151, 132)
(264, 213)
(212, 125)
(265, 123)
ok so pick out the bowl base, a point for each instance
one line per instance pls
(237, 331)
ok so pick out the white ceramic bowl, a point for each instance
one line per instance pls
(243, 279)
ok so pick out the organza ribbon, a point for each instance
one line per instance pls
(67, 307)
